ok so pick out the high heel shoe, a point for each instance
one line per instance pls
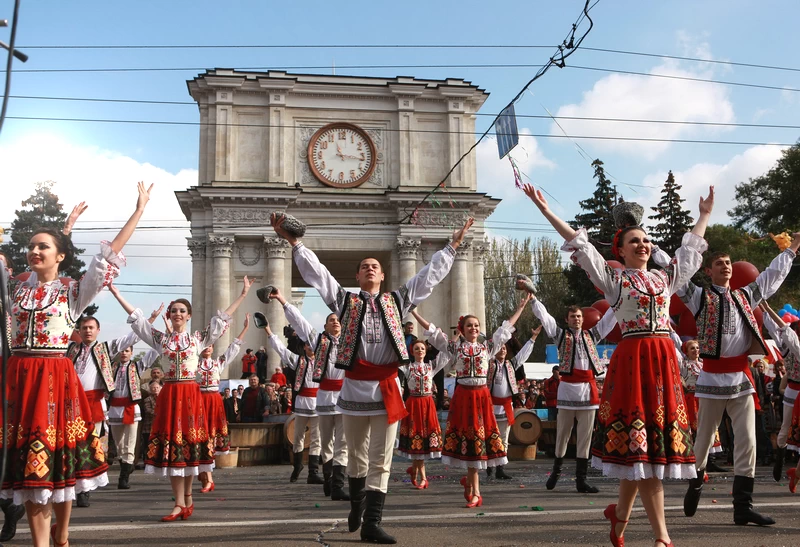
(466, 488)
(611, 514)
(189, 508)
(423, 484)
(413, 474)
(171, 517)
(791, 473)
(477, 503)
(53, 537)
(209, 487)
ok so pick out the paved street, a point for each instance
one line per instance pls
(258, 506)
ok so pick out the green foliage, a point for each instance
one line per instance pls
(672, 220)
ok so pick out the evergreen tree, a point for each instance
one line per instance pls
(672, 220)
(598, 220)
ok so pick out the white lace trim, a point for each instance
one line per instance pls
(43, 496)
(429, 456)
(178, 471)
(480, 464)
(640, 471)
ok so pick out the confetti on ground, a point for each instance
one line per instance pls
(537, 508)
(713, 501)
(522, 486)
(479, 514)
(316, 505)
(591, 503)
(523, 506)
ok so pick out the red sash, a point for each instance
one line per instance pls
(581, 376)
(505, 402)
(331, 385)
(308, 392)
(129, 415)
(794, 385)
(740, 363)
(385, 376)
(95, 397)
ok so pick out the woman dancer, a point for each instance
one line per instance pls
(208, 373)
(55, 453)
(179, 444)
(472, 439)
(643, 434)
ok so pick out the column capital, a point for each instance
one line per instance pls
(197, 247)
(407, 248)
(221, 245)
(275, 247)
(462, 253)
(480, 250)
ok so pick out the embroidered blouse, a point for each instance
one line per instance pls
(419, 376)
(787, 341)
(209, 370)
(470, 360)
(302, 404)
(180, 351)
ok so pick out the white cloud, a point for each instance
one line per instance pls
(495, 176)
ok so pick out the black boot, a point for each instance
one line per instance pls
(337, 484)
(371, 531)
(298, 466)
(743, 503)
(490, 472)
(501, 473)
(83, 499)
(777, 469)
(313, 471)
(581, 468)
(327, 470)
(357, 485)
(692, 497)
(555, 473)
(125, 470)
(712, 467)
(13, 513)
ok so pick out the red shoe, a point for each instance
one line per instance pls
(187, 512)
(171, 517)
(466, 488)
(670, 544)
(792, 479)
(412, 474)
(611, 514)
(209, 487)
(477, 503)
(423, 485)
(53, 537)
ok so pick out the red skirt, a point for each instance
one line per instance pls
(179, 440)
(793, 441)
(217, 421)
(643, 423)
(54, 448)
(472, 438)
(692, 406)
(420, 435)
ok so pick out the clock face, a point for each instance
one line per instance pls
(341, 155)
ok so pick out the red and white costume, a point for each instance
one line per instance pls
(502, 384)
(208, 374)
(124, 413)
(787, 341)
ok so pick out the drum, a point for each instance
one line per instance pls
(527, 427)
(518, 452)
(288, 431)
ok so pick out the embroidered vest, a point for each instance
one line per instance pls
(711, 317)
(643, 303)
(352, 320)
(102, 360)
(300, 372)
(512, 376)
(567, 352)
(420, 379)
(321, 355)
(471, 359)
(40, 316)
(134, 381)
(208, 373)
(792, 364)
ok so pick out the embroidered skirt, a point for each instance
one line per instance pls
(179, 442)
(217, 421)
(420, 435)
(472, 438)
(642, 424)
(55, 453)
(793, 441)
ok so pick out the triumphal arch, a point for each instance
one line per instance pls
(348, 155)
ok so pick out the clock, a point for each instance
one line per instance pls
(341, 155)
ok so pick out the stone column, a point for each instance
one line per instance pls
(276, 251)
(478, 291)
(459, 286)
(197, 247)
(407, 250)
(221, 251)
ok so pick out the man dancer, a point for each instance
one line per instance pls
(578, 398)
(726, 330)
(330, 380)
(372, 347)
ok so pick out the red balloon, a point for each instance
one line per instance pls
(601, 306)
(591, 316)
(743, 274)
(759, 315)
(615, 336)
(676, 305)
(687, 326)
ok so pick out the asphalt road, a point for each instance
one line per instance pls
(258, 506)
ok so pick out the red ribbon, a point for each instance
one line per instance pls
(505, 402)
(581, 376)
(385, 375)
(331, 385)
(129, 415)
(740, 363)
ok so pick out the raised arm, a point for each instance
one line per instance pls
(770, 280)
(77, 211)
(127, 230)
(551, 328)
(287, 357)
(706, 207)
(520, 307)
(525, 351)
(605, 325)
(537, 197)
(296, 320)
(421, 320)
(235, 304)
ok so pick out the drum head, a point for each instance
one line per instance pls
(527, 427)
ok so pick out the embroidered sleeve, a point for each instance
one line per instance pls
(420, 287)
(772, 328)
(442, 361)
(548, 322)
(587, 257)
(691, 294)
(688, 259)
(318, 276)
(148, 359)
(676, 341)
(216, 327)
(438, 339)
(299, 323)
(144, 330)
(230, 354)
(660, 257)
(604, 326)
(500, 337)
(790, 341)
(124, 342)
(770, 280)
(523, 354)
(102, 270)
(287, 357)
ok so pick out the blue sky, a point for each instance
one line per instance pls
(100, 162)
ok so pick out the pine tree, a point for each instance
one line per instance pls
(672, 220)
(598, 220)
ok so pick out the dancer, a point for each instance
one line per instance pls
(50, 419)
(305, 402)
(333, 443)
(179, 443)
(502, 383)
(726, 330)
(643, 432)
(786, 338)
(472, 439)
(578, 398)
(373, 346)
(209, 371)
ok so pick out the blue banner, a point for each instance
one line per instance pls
(506, 131)
(604, 351)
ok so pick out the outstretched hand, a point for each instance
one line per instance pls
(246, 320)
(77, 211)
(525, 299)
(144, 195)
(458, 235)
(536, 196)
(795, 245)
(277, 224)
(246, 284)
(707, 204)
(535, 332)
(156, 313)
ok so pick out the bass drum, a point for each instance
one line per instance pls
(288, 431)
(527, 427)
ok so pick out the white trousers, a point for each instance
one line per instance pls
(742, 412)
(300, 424)
(786, 424)
(333, 438)
(370, 445)
(502, 425)
(125, 440)
(564, 422)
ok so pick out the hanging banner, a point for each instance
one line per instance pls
(506, 129)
